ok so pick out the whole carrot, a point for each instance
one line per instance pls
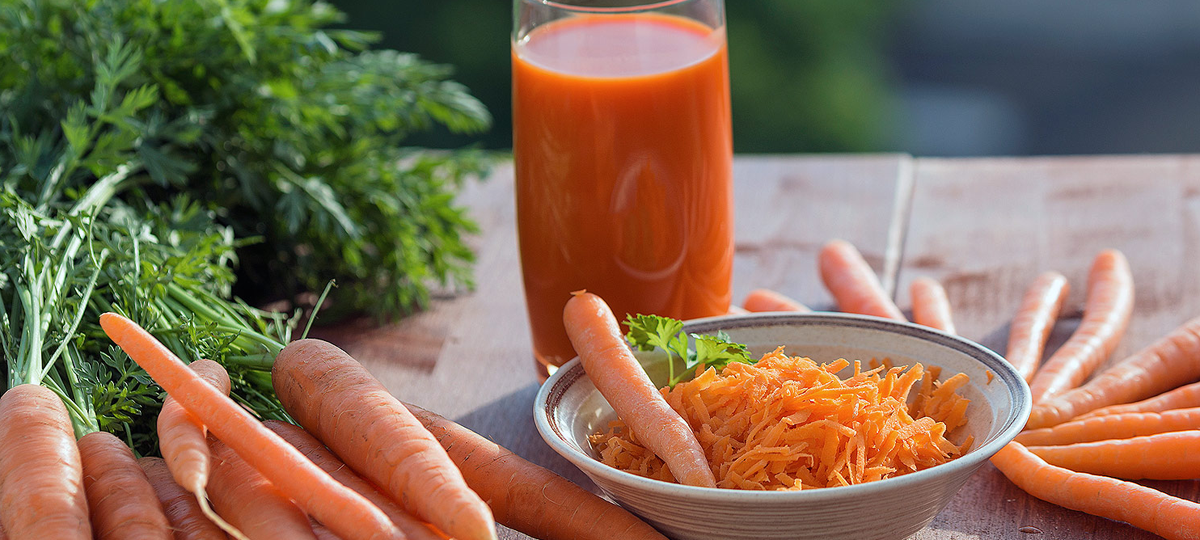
(182, 439)
(324, 458)
(338, 401)
(1033, 322)
(1105, 316)
(1184, 397)
(930, 305)
(760, 300)
(1112, 426)
(852, 283)
(187, 520)
(1167, 363)
(620, 379)
(1162, 456)
(41, 480)
(345, 512)
(1170, 517)
(121, 502)
(527, 497)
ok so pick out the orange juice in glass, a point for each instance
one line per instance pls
(624, 155)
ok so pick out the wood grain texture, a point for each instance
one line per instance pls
(987, 227)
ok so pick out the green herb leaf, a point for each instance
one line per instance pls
(647, 332)
(717, 352)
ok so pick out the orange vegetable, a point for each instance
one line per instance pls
(787, 423)
(324, 458)
(527, 497)
(121, 502)
(250, 502)
(1170, 517)
(1184, 397)
(1162, 456)
(338, 401)
(1105, 316)
(41, 480)
(187, 520)
(1112, 426)
(1165, 364)
(345, 512)
(182, 439)
(852, 282)
(767, 300)
(1033, 322)
(619, 377)
(930, 305)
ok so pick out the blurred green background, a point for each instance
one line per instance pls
(929, 77)
(806, 75)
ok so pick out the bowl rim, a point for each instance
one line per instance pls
(1001, 369)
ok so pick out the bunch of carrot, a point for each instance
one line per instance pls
(1084, 441)
(361, 464)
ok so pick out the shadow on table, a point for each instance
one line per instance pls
(508, 421)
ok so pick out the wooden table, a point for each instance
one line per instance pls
(984, 227)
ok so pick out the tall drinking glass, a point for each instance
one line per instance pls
(623, 150)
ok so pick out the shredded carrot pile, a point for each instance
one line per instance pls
(788, 423)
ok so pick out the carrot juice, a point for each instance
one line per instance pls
(623, 152)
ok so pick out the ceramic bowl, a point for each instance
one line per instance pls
(568, 409)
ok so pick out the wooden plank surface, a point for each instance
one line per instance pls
(469, 357)
(987, 227)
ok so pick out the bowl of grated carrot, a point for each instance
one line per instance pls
(844, 426)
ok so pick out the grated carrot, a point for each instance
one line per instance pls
(788, 423)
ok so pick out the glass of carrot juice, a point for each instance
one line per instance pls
(623, 154)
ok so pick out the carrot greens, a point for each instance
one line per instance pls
(154, 155)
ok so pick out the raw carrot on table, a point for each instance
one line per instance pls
(121, 502)
(1184, 397)
(527, 497)
(1112, 426)
(250, 502)
(619, 377)
(930, 306)
(1167, 363)
(182, 511)
(1170, 517)
(1162, 456)
(760, 300)
(317, 452)
(183, 441)
(1033, 322)
(1105, 315)
(345, 512)
(41, 479)
(338, 401)
(853, 284)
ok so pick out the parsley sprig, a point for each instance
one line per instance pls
(648, 332)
